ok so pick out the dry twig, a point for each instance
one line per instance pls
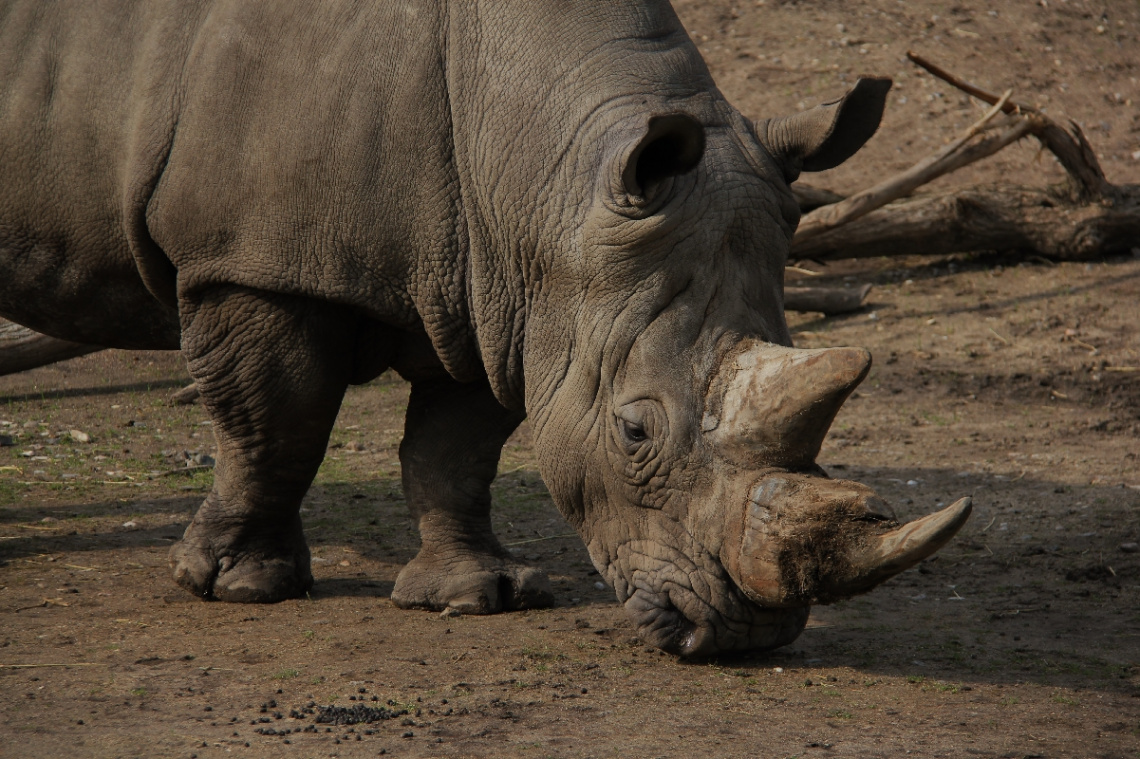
(1070, 147)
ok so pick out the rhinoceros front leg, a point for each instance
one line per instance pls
(272, 371)
(453, 435)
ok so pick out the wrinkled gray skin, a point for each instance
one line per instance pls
(524, 207)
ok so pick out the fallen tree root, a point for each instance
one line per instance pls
(185, 396)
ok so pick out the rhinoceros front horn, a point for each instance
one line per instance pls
(777, 403)
(888, 554)
(804, 539)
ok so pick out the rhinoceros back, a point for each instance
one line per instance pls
(152, 149)
(314, 156)
(83, 111)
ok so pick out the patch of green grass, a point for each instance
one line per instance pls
(840, 714)
(1010, 701)
(915, 678)
(139, 692)
(540, 654)
(1061, 698)
(286, 674)
(942, 688)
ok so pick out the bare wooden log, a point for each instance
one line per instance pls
(986, 218)
(827, 300)
(22, 349)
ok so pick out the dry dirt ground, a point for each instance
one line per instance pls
(1014, 381)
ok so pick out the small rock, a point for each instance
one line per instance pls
(79, 436)
(130, 525)
(1130, 547)
(450, 613)
(912, 483)
(6, 440)
(354, 446)
(600, 585)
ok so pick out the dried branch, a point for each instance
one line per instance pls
(1094, 219)
(1069, 146)
(809, 198)
(961, 152)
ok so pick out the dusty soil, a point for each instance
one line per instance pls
(1016, 382)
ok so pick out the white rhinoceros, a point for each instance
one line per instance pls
(535, 208)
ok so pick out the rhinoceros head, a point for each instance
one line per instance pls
(676, 426)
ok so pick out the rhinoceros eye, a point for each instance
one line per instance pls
(633, 433)
(641, 426)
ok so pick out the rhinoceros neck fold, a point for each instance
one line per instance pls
(535, 90)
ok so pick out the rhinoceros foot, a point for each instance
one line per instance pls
(471, 582)
(234, 566)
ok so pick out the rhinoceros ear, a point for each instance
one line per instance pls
(829, 134)
(671, 145)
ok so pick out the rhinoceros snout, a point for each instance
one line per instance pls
(802, 539)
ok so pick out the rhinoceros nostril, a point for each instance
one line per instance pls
(878, 510)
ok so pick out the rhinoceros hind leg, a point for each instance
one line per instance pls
(272, 371)
(454, 433)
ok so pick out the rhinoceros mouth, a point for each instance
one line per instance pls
(659, 623)
(662, 624)
(682, 601)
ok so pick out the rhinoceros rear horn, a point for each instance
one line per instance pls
(778, 402)
(829, 134)
(671, 145)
